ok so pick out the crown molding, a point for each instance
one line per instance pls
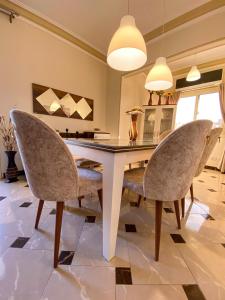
(25, 13)
(187, 17)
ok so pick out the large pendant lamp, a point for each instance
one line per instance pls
(159, 77)
(194, 74)
(127, 49)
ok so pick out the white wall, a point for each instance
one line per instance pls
(113, 102)
(133, 94)
(29, 54)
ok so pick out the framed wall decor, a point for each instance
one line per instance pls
(53, 102)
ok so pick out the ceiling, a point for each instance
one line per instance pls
(95, 21)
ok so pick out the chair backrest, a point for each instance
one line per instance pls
(48, 164)
(164, 134)
(170, 170)
(210, 144)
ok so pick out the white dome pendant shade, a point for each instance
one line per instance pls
(194, 74)
(127, 49)
(159, 77)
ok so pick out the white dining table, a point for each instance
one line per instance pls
(114, 155)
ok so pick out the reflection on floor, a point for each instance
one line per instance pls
(191, 264)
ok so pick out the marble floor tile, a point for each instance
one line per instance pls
(43, 238)
(206, 261)
(198, 264)
(19, 221)
(196, 228)
(5, 242)
(24, 273)
(144, 219)
(79, 282)
(170, 269)
(89, 251)
(150, 292)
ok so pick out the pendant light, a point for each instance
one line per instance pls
(127, 49)
(159, 77)
(194, 74)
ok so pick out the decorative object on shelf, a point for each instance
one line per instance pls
(172, 97)
(127, 49)
(194, 74)
(9, 143)
(52, 102)
(150, 97)
(160, 93)
(133, 132)
(164, 98)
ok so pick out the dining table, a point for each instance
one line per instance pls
(114, 155)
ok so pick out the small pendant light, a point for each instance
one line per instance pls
(159, 77)
(127, 49)
(194, 74)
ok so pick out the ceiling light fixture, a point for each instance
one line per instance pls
(127, 49)
(159, 77)
(194, 74)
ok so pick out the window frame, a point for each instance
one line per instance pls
(197, 93)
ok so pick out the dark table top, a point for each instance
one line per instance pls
(114, 146)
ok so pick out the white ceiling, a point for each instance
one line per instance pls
(94, 21)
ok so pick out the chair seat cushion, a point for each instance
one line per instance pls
(133, 180)
(89, 181)
(86, 163)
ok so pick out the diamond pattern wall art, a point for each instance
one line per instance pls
(52, 102)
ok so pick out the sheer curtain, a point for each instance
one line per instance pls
(221, 165)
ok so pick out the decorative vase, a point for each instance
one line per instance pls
(150, 98)
(133, 132)
(11, 172)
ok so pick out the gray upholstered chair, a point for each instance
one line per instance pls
(170, 170)
(50, 169)
(210, 144)
(164, 134)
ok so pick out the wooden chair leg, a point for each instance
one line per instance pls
(58, 225)
(158, 221)
(40, 206)
(183, 207)
(192, 192)
(177, 211)
(139, 200)
(100, 197)
(79, 200)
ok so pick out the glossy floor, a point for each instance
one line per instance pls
(191, 264)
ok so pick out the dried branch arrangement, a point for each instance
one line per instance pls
(7, 134)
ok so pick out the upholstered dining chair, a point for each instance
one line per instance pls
(210, 145)
(170, 170)
(164, 134)
(50, 169)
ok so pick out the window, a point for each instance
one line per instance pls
(201, 106)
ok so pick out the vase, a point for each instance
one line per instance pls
(150, 98)
(133, 132)
(11, 171)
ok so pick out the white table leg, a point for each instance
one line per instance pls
(112, 191)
